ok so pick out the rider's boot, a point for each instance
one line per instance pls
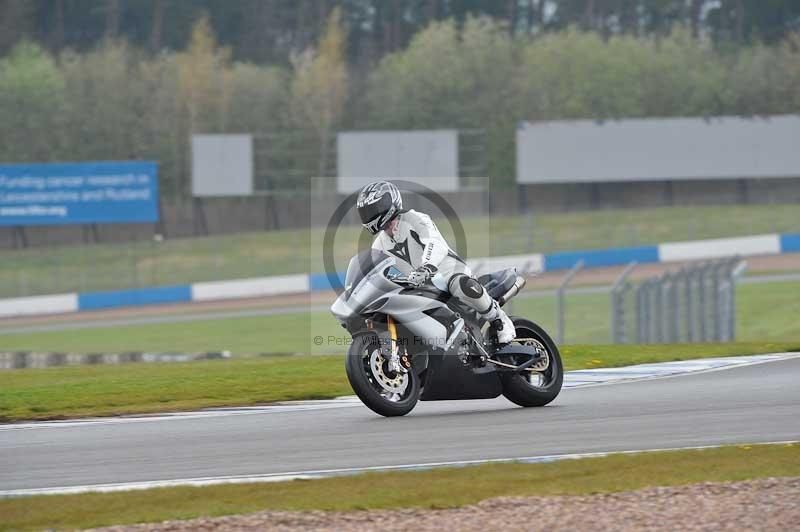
(501, 323)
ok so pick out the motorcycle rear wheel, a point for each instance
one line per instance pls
(365, 379)
(519, 387)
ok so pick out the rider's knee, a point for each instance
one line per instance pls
(467, 285)
(470, 291)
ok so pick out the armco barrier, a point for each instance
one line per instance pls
(720, 247)
(140, 296)
(790, 243)
(302, 283)
(601, 257)
(324, 281)
(263, 286)
(37, 305)
(524, 263)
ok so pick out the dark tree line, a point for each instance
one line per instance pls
(117, 101)
(269, 31)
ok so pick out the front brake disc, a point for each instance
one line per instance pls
(396, 384)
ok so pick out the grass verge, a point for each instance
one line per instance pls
(81, 391)
(438, 488)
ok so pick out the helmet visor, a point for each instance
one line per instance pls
(370, 213)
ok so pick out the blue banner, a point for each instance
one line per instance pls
(78, 193)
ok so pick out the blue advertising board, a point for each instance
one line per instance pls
(78, 193)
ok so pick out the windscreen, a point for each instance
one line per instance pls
(361, 265)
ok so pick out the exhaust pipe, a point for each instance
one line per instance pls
(519, 284)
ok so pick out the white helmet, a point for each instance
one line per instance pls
(377, 204)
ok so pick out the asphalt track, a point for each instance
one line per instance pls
(753, 403)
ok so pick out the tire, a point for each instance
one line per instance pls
(517, 388)
(365, 385)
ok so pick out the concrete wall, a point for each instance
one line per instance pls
(426, 157)
(588, 196)
(649, 149)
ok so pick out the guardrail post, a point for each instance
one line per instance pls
(666, 321)
(701, 303)
(640, 313)
(647, 311)
(658, 310)
(675, 308)
(560, 298)
(618, 290)
(647, 316)
(715, 302)
(724, 273)
(677, 297)
(655, 313)
(719, 317)
(691, 322)
(737, 272)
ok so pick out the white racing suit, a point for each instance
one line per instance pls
(416, 242)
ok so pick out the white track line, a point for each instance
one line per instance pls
(572, 379)
(327, 473)
(291, 406)
(660, 370)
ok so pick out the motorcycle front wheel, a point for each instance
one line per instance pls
(382, 391)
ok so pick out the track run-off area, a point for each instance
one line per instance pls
(688, 404)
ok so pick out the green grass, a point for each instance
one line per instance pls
(180, 261)
(282, 333)
(768, 311)
(80, 391)
(439, 488)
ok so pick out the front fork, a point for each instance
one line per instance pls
(397, 362)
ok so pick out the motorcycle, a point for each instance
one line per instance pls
(413, 344)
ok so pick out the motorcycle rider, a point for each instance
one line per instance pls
(413, 238)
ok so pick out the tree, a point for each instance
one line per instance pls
(105, 104)
(270, 31)
(694, 17)
(31, 96)
(113, 16)
(157, 25)
(204, 86)
(16, 22)
(451, 78)
(319, 87)
(204, 79)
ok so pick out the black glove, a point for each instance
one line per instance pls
(421, 275)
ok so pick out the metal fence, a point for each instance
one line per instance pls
(696, 303)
